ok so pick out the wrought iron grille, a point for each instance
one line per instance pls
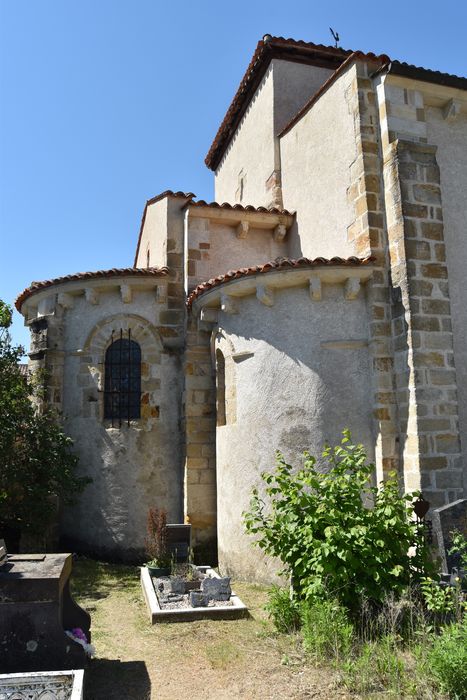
(122, 389)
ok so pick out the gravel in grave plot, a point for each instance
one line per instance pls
(181, 601)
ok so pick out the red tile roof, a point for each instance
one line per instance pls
(189, 196)
(238, 207)
(115, 272)
(384, 60)
(427, 75)
(304, 52)
(279, 264)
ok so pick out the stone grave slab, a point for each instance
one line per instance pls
(446, 519)
(36, 608)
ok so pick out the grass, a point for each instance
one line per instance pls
(208, 658)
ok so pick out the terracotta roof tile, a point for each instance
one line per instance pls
(278, 264)
(305, 52)
(238, 207)
(114, 272)
(383, 59)
(267, 49)
(427, 75)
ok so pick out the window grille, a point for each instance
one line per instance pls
(122, 389)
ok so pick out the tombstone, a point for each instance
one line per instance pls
(178, 541)
(217, 588)
(36, 610)
(445, 520)
(198, 599)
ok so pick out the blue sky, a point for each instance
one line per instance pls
(105, 103)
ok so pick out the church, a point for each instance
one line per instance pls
(324, 289)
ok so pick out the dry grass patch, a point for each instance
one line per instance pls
(209, 658)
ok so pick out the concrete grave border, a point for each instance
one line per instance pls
(221, 612)
(38, 681)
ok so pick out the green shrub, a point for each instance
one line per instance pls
(447, 659)
(327, 631)
(320, 525)
(283, 610)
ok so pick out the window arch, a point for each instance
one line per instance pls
(122, 385)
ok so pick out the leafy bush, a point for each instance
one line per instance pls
(283, 610)
(327, 631)
(319, 524)
(37, 466)
(448, 659)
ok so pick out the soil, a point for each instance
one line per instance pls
(221, 660)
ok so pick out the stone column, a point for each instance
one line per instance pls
(425, 373)
(369, 237)
(200, 432)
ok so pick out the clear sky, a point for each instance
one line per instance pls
(105, 103)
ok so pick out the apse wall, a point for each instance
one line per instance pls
(296, 374)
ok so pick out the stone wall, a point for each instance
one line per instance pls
(368, 236)
(425, 371)
(297, 374)
(316, 155)
(133, 466)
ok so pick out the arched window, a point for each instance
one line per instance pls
(122, 390)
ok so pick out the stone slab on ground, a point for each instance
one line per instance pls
(233, 610)
(446, 519)
(50, 685)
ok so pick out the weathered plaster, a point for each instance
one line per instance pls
(293, 391)
(316, 156)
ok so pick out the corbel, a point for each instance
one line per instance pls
(92, 295)
(228, 304)
(352, 288)
(265, 295)
(279, 233)
(65, 300)
(125, 293)
(161, 293)
(242, 229)
(451, 110)
(315, 288)
(209, 315)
